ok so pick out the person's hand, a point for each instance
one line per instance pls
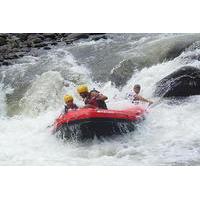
(150, 102)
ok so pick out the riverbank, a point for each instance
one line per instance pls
(16, 45)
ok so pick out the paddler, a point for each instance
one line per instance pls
(136, 97)
(69, 103)
(93, 98)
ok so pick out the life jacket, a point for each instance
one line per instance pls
(133, 98)
(93, 101)
(73, 106)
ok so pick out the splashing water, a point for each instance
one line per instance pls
(168, 136)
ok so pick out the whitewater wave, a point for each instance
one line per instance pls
(31, 93)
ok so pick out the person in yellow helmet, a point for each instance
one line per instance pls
(69, 103)
(93, 98)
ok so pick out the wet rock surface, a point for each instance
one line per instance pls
(152, 53)
(121, 73)
(16, 45)
(181, 83)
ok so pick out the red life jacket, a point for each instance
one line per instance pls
(93, 101)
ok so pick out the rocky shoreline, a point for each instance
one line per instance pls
(16, 45)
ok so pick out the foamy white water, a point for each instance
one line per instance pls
(168, 136)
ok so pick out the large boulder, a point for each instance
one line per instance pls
(123, 72)
(181, 83)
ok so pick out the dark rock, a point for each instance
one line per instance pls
(20, 55)
(26, 49)
(97, 33)
(41, 36)
(3, 41)
(69, 41)
(6, 63)
(16, 50)
(65, 34)
(40, 45)
(29, 44)
(34, 39)
(181, 83)
(22, 36)
(15, 45)
(121, 73)
(54, 43)
(47, 48)
(4, 35)
(11, 56)
(5, 49)
(77, 36)
(50, 35)
(98, 37)
(37, 40)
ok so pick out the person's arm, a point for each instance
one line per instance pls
(99, 96)
(145, 100)
(102, 97)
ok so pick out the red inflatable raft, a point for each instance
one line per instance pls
(88, 123)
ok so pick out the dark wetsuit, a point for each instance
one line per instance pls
(73, 107)
(94, 102)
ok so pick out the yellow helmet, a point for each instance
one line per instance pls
(68, 98)
(82, 88)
